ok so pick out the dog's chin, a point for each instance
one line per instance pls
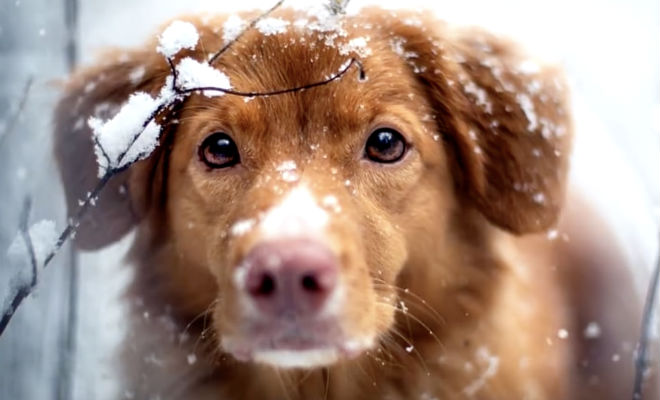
(295, 353)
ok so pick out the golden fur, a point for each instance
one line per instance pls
(445, 255)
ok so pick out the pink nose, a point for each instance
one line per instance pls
(290, 278)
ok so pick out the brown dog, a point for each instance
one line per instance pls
(393, 237)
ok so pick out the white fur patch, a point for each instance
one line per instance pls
(297, 215)
(297, 359)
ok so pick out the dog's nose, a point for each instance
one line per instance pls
(290, 278)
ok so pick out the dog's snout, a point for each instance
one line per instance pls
(292, 277)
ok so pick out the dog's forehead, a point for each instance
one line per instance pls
(284, 53)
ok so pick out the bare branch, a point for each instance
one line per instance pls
(641, 361)
(25, 233)
(332, 78)
(16, 115)
(74, 221)
(103, 152)
(250, 26)
(25, 290)
(338, 7)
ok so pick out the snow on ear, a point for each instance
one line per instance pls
(513, 133)
(504, 117)
(99, 92)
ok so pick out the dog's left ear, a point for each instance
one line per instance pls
(505, 118)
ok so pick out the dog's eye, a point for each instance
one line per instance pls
(385, 145)
(219, 151)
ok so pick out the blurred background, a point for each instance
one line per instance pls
(61, 342)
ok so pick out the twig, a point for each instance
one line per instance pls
(23, 291)
(74, 221)
(332, 78)
(338, 7)
(641, 361)
(21, 106)
(252, 24)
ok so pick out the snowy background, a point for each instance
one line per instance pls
(61, 341)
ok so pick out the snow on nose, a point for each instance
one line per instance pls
(298, 215)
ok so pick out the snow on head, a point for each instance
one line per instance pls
(124, 133)
(232, 28)
(288, 171)
(325, 20)
(193, 74)
(297, 215)
(357, 45)
(179, 35)
(272, 26)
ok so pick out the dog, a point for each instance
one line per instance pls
(402, 232)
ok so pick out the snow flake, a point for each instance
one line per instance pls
(135, 76)
(592, 330)
(539, 198)
(242, 227)
(177, 36)
(288, 171)
(528, 67)
(491, 363)
(397, 44)
(412, 22)
(528, 108)
(480, 95)
(332, 203)
(357, 45)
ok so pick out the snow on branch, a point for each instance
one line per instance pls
(133, 134)
(34, 244)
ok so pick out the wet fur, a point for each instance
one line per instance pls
(456, 234)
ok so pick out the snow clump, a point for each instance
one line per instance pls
(176, 37)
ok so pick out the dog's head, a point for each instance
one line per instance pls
(294, 219)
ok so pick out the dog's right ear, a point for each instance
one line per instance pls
(99, 91)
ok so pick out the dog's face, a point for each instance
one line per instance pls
(293, 219)
(302, 206)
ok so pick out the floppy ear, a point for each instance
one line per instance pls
(100, 91)
(505, 118)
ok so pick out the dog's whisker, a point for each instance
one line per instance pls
(415, 319)
(203, 314)
(417, 298)
(283, 384)
(388, 347)
(411, 349)
(326, 388)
